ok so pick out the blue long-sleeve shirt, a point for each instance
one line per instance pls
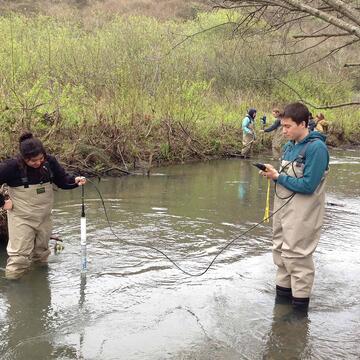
(247, 121)
(274, 126)
(316, 162)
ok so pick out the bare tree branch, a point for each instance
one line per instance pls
(351, 65)
(187, 37)
(301, 51)
(336, 14)
(322, 19)
(345, 9)
(334, 106)
(319, 35)
(289, 21)
(351, 29)
(318, 107)
(323, 13)
(332, 52)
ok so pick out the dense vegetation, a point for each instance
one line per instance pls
(136, 89)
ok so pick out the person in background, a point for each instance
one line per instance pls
(30, 178)
(312, 123)
(278, 138)
(299, 205)
(322, 125)
(248, 133)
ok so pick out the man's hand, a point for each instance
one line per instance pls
(270, 172)
(80, 180)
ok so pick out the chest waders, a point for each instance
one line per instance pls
(277, 142)
(30, 226)
(247, 141)
(296, 231)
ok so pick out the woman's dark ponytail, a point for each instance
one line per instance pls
(30, 146)
(25, 136)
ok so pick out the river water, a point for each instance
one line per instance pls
(134, 304)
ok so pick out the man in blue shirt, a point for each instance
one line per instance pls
(298, 206)
(278, 137)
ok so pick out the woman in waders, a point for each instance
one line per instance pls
(30, 178)
(248, 133)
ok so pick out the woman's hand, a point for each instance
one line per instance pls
(8, 204)
(80, 180)
(270, 172)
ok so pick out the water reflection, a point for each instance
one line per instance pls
(82, 290)
(29, 302)
(242, 190)
(134, 304)
(289, 334)
(29, 318)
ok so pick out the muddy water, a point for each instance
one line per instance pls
(134, 304)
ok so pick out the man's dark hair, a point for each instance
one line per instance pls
(298, 113)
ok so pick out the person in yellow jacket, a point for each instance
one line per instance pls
(30, 178)
(299, 205)
(322, 125)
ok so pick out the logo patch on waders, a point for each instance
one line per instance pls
(40, 190)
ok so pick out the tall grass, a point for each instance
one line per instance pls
(135, 88)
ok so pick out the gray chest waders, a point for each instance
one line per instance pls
(248, 140)
(30, 227)
(296, 231)
(277, 142)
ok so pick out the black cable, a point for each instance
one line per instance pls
(166, 256)
(82, 201)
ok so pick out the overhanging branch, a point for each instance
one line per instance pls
(319, 35)
(330, 14)
(351, 65)
(318, 107)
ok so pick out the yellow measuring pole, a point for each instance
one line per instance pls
(267, 207)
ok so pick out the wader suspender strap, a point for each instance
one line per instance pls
(47, 167)
(301, 157)
(23, 171)
(24, 178)
(250, 118)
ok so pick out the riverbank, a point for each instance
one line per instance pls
(146, 168)
(145, 142)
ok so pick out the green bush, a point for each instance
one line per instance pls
(59, 78)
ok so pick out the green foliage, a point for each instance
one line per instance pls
(165, 151)
(56, 75)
